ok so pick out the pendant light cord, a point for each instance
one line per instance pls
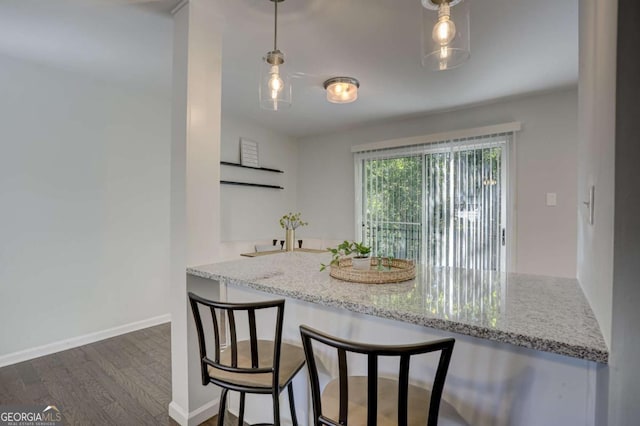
(275, 32)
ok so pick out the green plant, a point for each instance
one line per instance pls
(345, 249)
(361, 249)
(292, 221)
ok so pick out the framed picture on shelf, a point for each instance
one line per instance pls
(249, 153)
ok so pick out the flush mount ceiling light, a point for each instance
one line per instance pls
(342, 90)
(275, 86)
(445, 34)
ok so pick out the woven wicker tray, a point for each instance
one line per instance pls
(401, 270)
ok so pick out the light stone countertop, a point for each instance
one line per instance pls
(538, 312)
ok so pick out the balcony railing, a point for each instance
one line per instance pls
(394, 239)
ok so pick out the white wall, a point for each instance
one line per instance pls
(252, 214)
(596, 151)
(84, 217)
(546, 162)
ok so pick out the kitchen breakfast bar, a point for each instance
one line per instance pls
(528, 348)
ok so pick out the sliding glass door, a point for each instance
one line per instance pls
(393, 208)
(439, 204)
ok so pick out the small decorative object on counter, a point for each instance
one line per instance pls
(290, 238)
(275, 241)
(299, 243)
(360, 260)
(382, 271)
(281, 244)
(361, 263)
(290, 222)
(384, 266)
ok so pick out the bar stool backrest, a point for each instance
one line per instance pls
(372, 352)
(230, 311)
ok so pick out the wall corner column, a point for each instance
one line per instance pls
(195, 189)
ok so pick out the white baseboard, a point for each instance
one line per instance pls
(178, 414)
(195, 417)
(74, 342)
(203, 413)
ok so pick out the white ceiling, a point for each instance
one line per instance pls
(517, 47)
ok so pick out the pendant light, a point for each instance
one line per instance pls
(275, 86)
(445, 33)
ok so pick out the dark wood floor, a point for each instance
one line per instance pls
(121, 381)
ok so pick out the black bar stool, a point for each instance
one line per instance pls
(376, 401)
(247, 366)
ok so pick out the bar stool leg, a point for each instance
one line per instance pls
(241, 413)
(292, 404)
(222, 408)
(276, 409)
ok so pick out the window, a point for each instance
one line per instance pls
(442, 204)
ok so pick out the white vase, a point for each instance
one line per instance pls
(361, 263)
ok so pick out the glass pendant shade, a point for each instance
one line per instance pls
(445, 33)
(275, 85)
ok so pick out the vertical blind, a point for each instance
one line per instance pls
(441, 204)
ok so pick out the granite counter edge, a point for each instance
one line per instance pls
(530, 342)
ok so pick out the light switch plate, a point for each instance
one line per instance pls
(552, 199)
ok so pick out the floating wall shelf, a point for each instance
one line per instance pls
(258, 185)
(265, 169)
